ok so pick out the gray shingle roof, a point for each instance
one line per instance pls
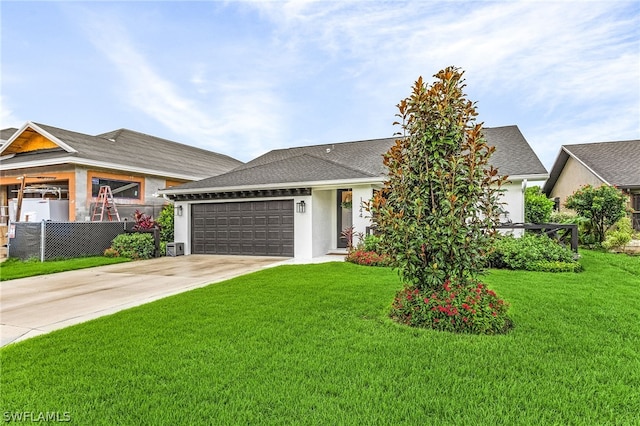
(618, 163)
(358, 160)
(5, 134)
(130, 149)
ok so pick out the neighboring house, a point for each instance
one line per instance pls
(595, 164)
(296, 202)
(68, 168)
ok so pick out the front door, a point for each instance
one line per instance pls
(345, 215)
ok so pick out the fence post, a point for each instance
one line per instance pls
(43, 239)
(574, 238)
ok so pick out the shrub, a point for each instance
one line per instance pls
(143, 221)
(166, 220)
(537, 207)
(619, 236)
(372, 243)
(532, 253)
(368, 258)
(456, 308)
(134, 246)
(350, 235)
(602, 206)
(563, 218)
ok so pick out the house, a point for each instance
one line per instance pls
(65, 168)
(596, 164)
(296, 202)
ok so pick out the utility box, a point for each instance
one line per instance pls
(175, 249)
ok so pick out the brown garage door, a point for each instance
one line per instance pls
(258, 228)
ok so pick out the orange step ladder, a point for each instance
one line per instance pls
(105, 204)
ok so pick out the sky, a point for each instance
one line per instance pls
(243, 78)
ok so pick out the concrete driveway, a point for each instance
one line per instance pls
(38, 305)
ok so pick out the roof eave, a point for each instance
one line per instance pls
(325, 184)
(531, 176)
(101, 164)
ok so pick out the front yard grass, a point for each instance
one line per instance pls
(312, 344)
(14, 268)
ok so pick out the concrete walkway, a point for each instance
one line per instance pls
(38, 305)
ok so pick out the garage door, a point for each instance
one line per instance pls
(259, 228)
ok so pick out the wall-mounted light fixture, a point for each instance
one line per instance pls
(300, 207)
(178, 210)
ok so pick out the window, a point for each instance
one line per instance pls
(119, 188)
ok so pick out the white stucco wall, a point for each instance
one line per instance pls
(324, 214)
(514, 197)
(303, 229)
(361, 218)
(182, 225)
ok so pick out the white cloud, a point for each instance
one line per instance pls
(554, 69)
(569, 73)
(248, 113)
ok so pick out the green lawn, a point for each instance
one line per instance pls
(311, 345)
(13, 268)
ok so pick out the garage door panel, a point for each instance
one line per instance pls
(287, 220)
(244, 228)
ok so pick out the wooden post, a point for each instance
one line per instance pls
(574, 238)
(20, 197)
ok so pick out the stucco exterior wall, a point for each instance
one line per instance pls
(303, 228)
(324, 213)
(361, 218)
(182, 225)
(514, 199)
(573, 176)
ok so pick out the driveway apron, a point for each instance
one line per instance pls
(38, 305)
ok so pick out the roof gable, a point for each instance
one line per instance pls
(615, 163)
(32, 137)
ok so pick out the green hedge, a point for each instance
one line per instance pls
(134, 246)
(533, 253)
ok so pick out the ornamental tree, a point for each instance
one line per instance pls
(438, 210)
(602, 206)
(440, 204)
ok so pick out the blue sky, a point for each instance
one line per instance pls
(242, 78)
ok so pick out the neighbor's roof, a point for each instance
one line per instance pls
(122, 149)
(356, 161)
(615, 163)
(5, 134)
